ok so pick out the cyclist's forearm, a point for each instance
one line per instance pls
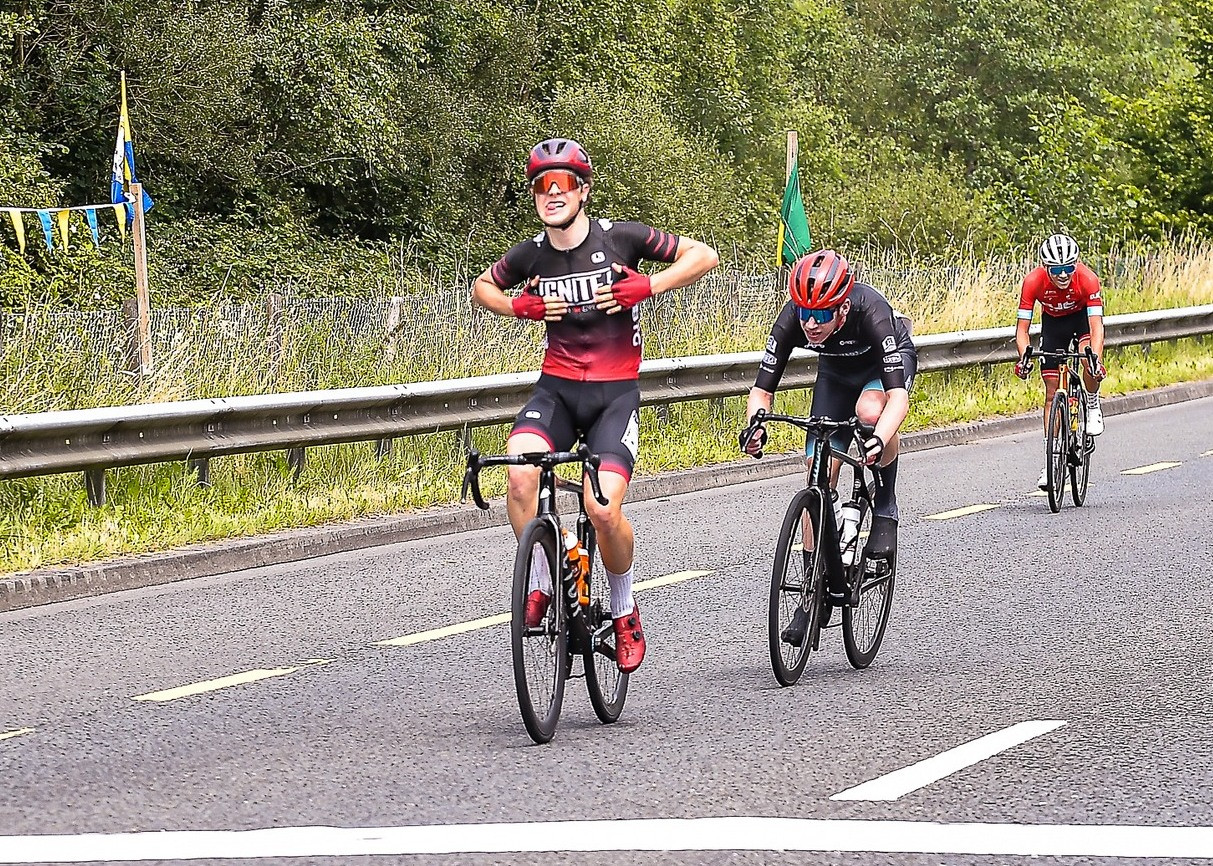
(486, 294)
(759, 399)
(1021, 336)
(897, 404)
(693, 260)
(1097, 335)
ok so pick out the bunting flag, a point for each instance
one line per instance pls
(90, 215)
(62, 216)
(123, 174)
(58, 219)
(18, 227)
(44, 216)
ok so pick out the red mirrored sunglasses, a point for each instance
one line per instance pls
(564, 181)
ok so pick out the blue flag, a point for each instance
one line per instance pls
(123, 174)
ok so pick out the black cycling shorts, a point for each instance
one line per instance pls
(1056, 333)
(838, 388)
(603, 415)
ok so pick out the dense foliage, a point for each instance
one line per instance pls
(335, 146)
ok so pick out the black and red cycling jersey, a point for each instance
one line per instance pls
(872, 338)
(1083, 293)
(587, 345)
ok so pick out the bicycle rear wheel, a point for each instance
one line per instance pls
(1080, 468)
(607, 685)
(796, 587)
(541, 658)
(1057, 449)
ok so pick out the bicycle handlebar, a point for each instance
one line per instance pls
(543, 459)
(821, 428)
(1087, 355)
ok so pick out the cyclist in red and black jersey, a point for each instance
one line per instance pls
(1071, 307)
(866, 370)
(579, 276)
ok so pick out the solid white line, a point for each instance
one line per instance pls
(672, 834)
(911, 778)
(1153, 467)
(502, 618)
(1208, 453)
(8, 735)
(960, 512)
(224, 682)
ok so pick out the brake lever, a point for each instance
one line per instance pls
(471, 481)
(591, 463)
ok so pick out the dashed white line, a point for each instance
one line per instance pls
(901, 782)
(8, 735)
(225, 682)
(502, 618)
(1153, 467)
(960, 512)
(654, 834)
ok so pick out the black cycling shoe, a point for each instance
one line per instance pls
(797, 628)
(882, 540)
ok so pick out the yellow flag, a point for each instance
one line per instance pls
(18, 227)
(120, 213)
(61, 217)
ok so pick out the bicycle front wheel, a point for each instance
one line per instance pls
(607, 685)
(796, 585)
(540, 651)
(1057, 449)
(1080, 466)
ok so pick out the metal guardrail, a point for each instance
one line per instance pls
(91, 440)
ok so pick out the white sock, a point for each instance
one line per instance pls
(1092, 400)
(622, 601)
(541, 575)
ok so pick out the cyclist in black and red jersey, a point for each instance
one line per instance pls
(579, 277)
(866, 370)
(1071, 307)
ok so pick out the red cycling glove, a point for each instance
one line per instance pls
(1022, 369)
(528, 306)
(631, 287)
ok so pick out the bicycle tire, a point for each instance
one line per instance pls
(607, 685)
(540, 654)
(1057, 449)
(792, 588)
(864, 623)
(1081, 470)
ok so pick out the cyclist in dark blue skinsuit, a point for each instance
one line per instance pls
(579, 277)
(866, 370)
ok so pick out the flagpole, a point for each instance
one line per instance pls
(142, 298)
(793, 150)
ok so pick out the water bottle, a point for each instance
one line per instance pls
(579, 566)
(837, 508)
(848, 535)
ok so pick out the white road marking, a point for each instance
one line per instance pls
(445, 631)
(661, 834)
(502, 618)
(960, 512)
(901, 782)
(8, 735)
(225, 682)
(1153, 467)
(676, 577)
(1208, 453)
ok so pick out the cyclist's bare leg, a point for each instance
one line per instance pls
(867, 409)
(1091, 383)
(522, 497)
(1050, 389)
(616, 541)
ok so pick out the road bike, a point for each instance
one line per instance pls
(838, 573)
(577, 622)
(1068, 445)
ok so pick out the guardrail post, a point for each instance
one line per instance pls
(395, 305)
(94, 486)
(296, 459)
(201, 467)
(383, 447)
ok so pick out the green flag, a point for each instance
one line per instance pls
(794, 238)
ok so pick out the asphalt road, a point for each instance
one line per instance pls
(1093, 623)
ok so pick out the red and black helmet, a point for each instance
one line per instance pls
(820, 280)
(561, 153)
